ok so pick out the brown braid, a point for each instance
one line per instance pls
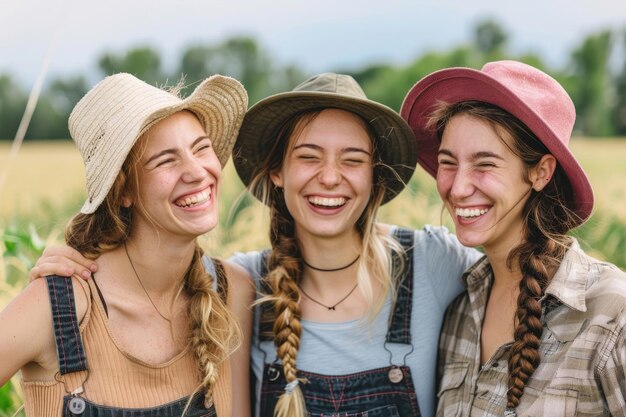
(546, 224)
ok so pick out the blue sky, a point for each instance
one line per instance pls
(317, 35)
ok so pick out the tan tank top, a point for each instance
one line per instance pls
(136, 384)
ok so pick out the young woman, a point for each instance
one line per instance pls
(151, 334)
(541, 328)
(350, 310)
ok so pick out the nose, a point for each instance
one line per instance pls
(330, 174)
(462, 185)
(193, 170)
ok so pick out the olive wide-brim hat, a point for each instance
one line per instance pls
(261, 125)
(527, 93)
(107, 122)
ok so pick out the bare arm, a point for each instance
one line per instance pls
(27, 341)
(64, 261)
(241, 297)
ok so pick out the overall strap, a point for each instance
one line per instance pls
(400, 323)
(70, 351)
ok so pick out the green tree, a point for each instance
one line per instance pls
(590, 65)
(619, 112)
(144, 62)
(54, 108)
(12, 105)
(241, 58)
(490, 38)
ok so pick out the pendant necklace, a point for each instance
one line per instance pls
(330, 308)
(169, 320)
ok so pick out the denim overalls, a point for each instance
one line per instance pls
(382, 392)
(71, 357)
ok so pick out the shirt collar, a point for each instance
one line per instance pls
(478, 275)
(569, 283)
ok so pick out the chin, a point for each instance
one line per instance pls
(471, 240)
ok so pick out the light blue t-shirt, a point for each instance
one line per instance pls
(345, 348)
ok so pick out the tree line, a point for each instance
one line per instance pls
(593, 77)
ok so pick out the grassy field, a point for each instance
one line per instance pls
(44, 185)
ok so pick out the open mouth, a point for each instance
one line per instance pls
(468, 213)
(194, 200)
(325, 202)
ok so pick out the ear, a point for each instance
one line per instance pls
(127, 202)
(277, 179)
(542, 173)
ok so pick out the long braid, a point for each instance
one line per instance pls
(286, 270)
(546, 223)
(214, 333)
(524, 353)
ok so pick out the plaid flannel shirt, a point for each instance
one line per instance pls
(583, 347)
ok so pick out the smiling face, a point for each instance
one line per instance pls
(482, 183)
(177, 176)
(326, 175)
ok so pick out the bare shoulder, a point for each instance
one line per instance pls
(383, 228)
(237, 275)
(26, 328)
(240, 281)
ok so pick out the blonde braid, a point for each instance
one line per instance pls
(214, 333)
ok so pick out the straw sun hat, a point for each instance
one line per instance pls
(527, 93)
(262, 123)
(108, 120)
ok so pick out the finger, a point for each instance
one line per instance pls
(69, 253)
(59, 265)
(43, 270)
(68, 256)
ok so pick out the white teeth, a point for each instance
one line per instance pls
(328, 202)
(199, 198)
(465, 212)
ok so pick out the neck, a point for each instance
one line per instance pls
(330, 252)
(161, 266)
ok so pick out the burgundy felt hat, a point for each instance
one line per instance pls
(527, 93)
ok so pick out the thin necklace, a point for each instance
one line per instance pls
(329, 308)
(333, 269)
(169, 320)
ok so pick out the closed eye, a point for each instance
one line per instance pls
(308, 157)
(446, 162)
(354, 161)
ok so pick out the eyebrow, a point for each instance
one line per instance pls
(475, 156)
(174, 150)
(319, 148)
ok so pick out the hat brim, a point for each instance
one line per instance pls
(220, 103)
(262, 123)
(456, 85)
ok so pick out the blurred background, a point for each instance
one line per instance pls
(51, 53)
